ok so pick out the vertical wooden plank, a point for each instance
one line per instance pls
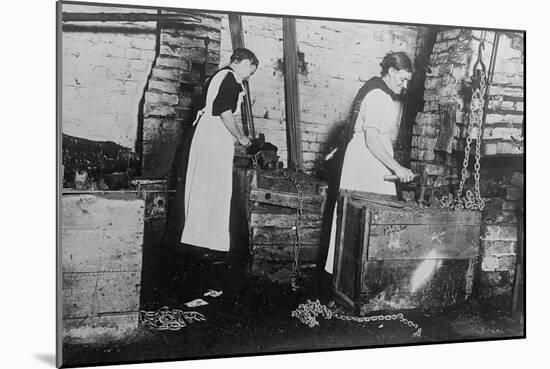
(292, 95)
(236, 30)
(362, 256)
(237, 41)
(339, 251)
(364, 236)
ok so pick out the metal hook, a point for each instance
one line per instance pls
(479, 60)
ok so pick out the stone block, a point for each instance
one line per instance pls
(428, 155)
(509, 148)
(416, 154)
(173, 63)
(427, 119)
(168, 74)
(489, 148)
(512, 91)
(161, 98)
(170, 87)
(431, 106)
(459, 72)
(496, 286)
(432, 83)
(499, 232)
(159, 110)
(514, 193)
(435, 170)
(498, 248)
(519, 106)
(439, 46)
(458, 57)
(450, 34)
(426, 143)
(498, 263)
(425, 130)
(517, 179)
(509, 206)
(504, 133)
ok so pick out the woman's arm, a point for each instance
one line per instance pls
(373, 140)
(229, 122)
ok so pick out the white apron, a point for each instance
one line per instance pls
(209, 177)
(361, 171)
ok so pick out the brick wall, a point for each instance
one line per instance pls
(105, 68)
(454, 55)
(174, 88)
(503, 130)
(335, 59)
(503, 186)
(452, 61)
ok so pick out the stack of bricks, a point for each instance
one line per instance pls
(499, 237)
(451, 67)
(502, 132)
(174, 88)
(451, 64)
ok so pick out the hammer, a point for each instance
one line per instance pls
(424, 182)
(394, 178)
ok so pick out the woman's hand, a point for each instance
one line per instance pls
(244, 140)
(404, 174)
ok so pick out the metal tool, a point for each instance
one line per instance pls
(393, 177)
(423, 183)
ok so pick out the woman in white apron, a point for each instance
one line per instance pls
(209, 177)
(369, 154)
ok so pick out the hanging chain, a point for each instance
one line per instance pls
(297, 225)
(473, 200)
(307, 313)
(254, 158)
(165, 318)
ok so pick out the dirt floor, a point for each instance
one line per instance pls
(253, 316)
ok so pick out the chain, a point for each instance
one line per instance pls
(254, 158)
(297, 225)
(168, 319)
(473, 200)
(307, 313)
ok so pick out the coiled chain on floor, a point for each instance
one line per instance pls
(307, 313)
(297, 225)
(168, 319)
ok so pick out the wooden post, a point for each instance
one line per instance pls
(237, 40)
(292, 95)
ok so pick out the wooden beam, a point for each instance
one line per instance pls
(128, 17)
(236, 30)
(292, 94)
(237, 41)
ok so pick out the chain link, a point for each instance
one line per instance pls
(307, 313)
(473, 200)
(168, 319)
(297, 225)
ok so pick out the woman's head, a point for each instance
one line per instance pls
(244, 63)
(397, 71)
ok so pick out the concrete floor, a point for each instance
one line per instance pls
(252, 316)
